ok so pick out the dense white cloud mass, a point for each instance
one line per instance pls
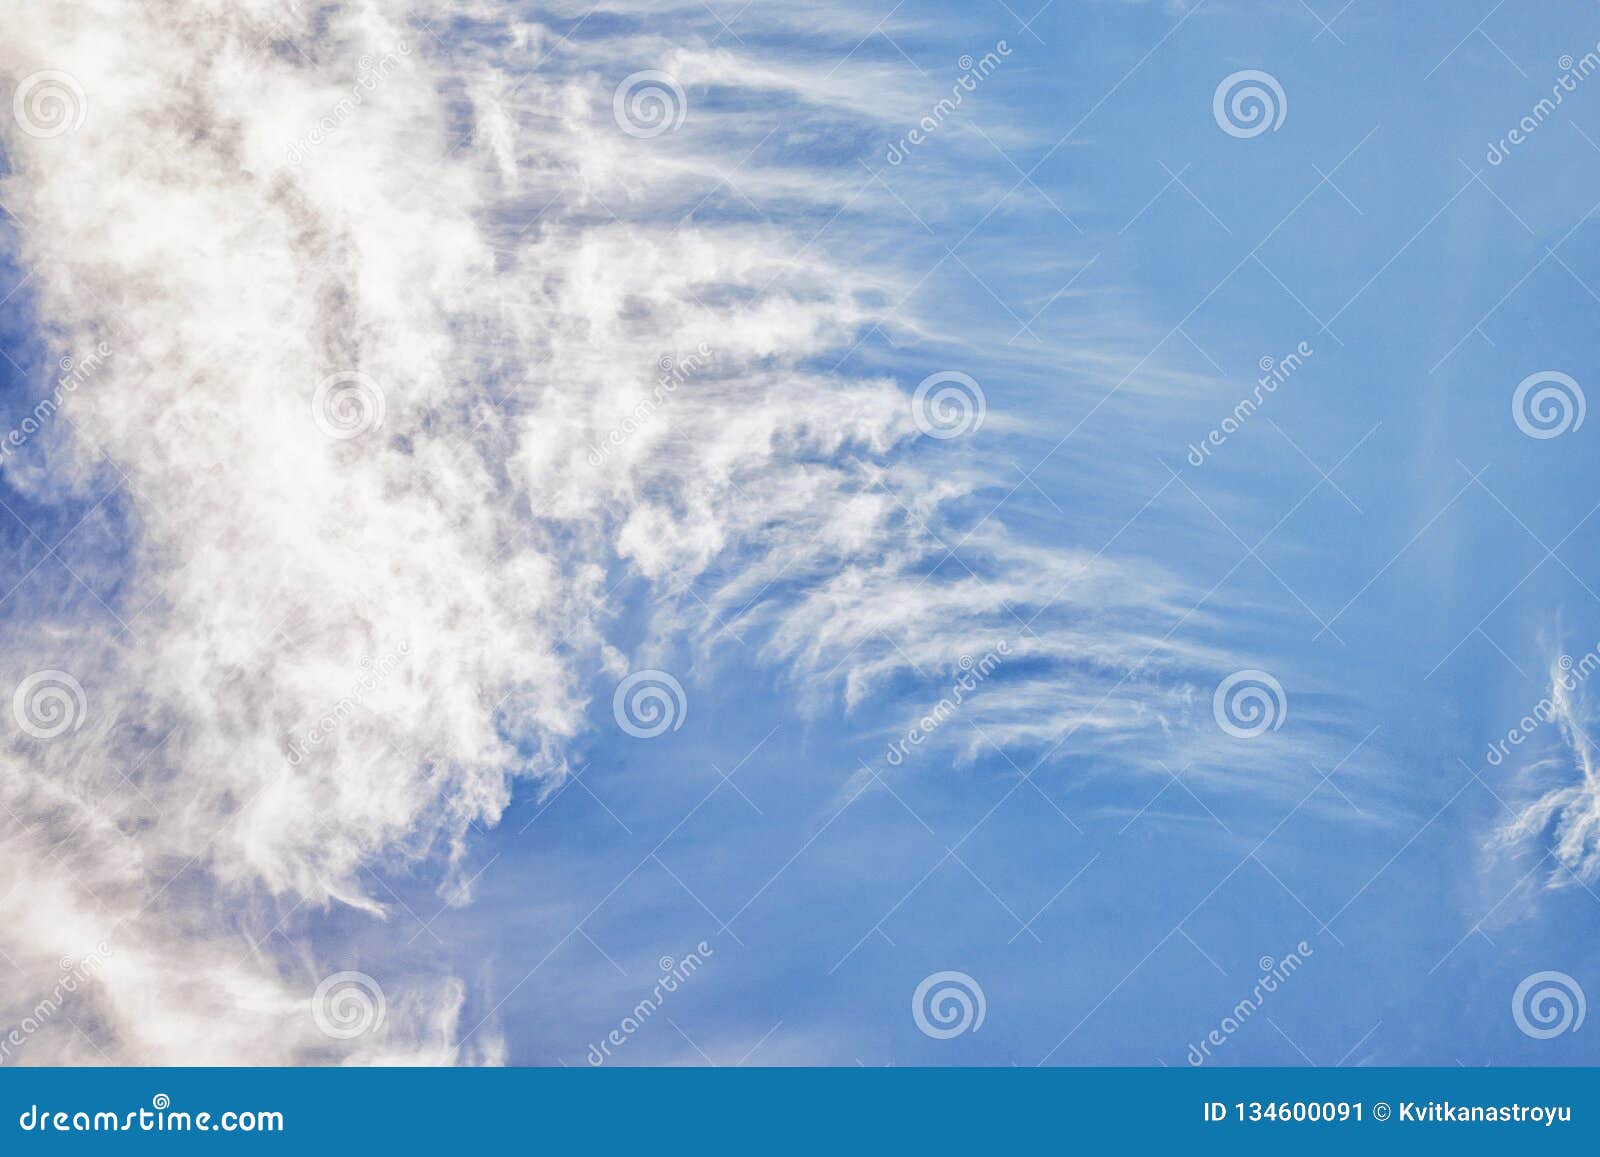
(413, 353)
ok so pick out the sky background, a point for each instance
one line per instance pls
(1082, 839)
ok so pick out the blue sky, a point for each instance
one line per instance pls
(1084, 841)
(1394, 259)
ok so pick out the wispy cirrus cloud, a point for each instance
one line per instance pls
(1564, 818)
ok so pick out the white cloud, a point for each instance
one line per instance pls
(1567, 817)
(243, 215)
